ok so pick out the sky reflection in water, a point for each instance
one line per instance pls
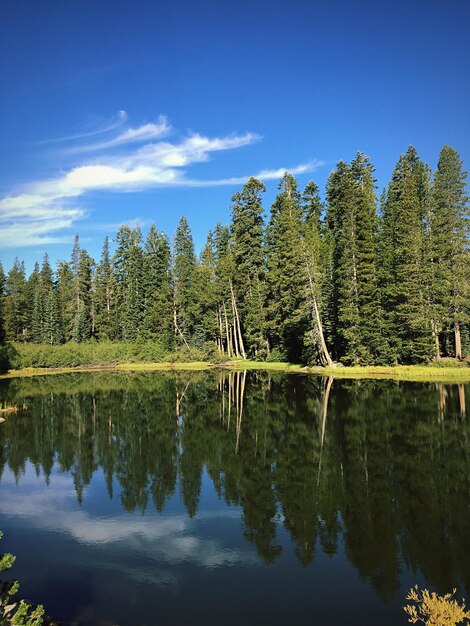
(177, 499)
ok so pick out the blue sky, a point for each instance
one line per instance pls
(118, 111)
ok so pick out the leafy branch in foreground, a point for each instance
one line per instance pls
(434, 610)
(15, 612)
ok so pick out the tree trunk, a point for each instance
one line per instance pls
(316, 316)
(176, 327)
(237, 322)
(458, 341)
(221, 330)
(435, 334)
(229, 345)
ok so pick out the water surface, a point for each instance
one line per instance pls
(234, 498)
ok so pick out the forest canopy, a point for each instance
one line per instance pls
(352, 279)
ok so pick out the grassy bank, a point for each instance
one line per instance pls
(412, 373)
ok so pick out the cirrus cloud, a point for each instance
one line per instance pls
(133, 160)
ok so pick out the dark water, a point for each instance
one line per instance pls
(240, 499)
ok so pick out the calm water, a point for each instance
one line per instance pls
(234, 499)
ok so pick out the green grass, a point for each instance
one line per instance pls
(418, 373)
(155, 367)
(430, 373)
(32, 360)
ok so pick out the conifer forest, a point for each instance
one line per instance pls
(356, 278)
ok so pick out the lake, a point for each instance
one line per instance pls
(233, 498)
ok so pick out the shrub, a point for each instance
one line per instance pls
(435, 610)
(12, 611)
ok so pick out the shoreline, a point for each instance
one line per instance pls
(411, 373)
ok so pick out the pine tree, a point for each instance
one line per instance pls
(184, 266)
(52, 331)
(287, 319)
(105, 297)
(16, 301)
(128, 267)
(405, 273)
(353, 223)
(35, 302)
(83, 322)
(315, 272)
(158, 310)
(224, 269)
(372, 348)
(247, 230)
(206, 327)
(312, 205)
(66, 299)
(449, 246)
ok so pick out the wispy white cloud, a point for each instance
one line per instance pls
(44, 209)
(106, 128)
(146, 132)
(263, 175)
(167, 540)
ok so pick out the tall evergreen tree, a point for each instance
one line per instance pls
(128, 268)
(405, 274)
(315, 271)
(105, 297)
(449, 246)
(287, 320)
(158, 310)
(16, 303)
(352, 219)
(247, 230)
(35, 303)
(206, 327)
(83, 322)
(66, 299)
(224, 269)
(184, 266)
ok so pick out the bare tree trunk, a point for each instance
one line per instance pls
(237, 322)
(221, 330)
(233, 334)
(316, 316)
(435, 334)
(175, 324)
(458, 341)
(229, 344)
(176, 327)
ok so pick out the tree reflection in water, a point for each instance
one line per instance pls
(380, 465)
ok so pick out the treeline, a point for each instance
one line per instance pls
(353, 279)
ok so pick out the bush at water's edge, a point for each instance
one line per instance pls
(20, 355)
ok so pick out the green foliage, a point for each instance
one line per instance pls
(450, 258)
(183, 285)
(94, 353)
(15, 612)
(247, 231)
(320, 282)
(405, 270)
(354, 295)
(286, 283)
